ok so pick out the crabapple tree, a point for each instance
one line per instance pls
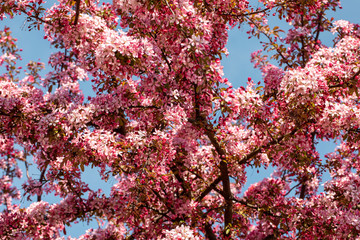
(170, 130)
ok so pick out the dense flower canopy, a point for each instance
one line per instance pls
(169, 128)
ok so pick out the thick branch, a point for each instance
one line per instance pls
(210, 133)
(209, 189)
(209, 232)
(318, 27)
(77, 12)
(176, 171)
(228, 216)
(302, 190)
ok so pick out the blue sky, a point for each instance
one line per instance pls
(237, 69)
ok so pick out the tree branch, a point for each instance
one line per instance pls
(201, 122)
(209, 232)
(209, 189)
(77, 13)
